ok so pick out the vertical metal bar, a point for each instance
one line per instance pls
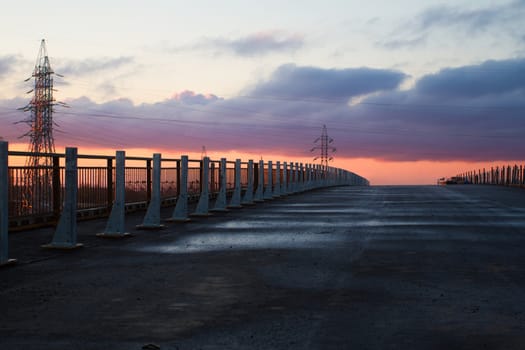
(201, 175)
(56, 187)
(284, 187)
(148, 180)
(109, 177)
(212, 176)
(259, 192)
(277, 187)
(268, 193)
(178, 179)
(255, 175)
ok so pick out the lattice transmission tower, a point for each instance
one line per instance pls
(323, 144)
(37, 177)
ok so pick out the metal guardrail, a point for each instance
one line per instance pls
(507, 175)
(96, 184)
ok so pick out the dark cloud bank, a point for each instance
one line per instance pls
(466, 113)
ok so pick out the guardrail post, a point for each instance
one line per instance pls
(248, 195)
(152, 218)
(65, 236)
(260, 183)
(116, 225)
(277, 187)
(180, 213)
(316, 176)
(297, 186)
(235, 201)
(269, 185)
(301, 177)
(284, 185)
(297, 178)
(202, 205)
(291, 184)
(4, 206)
(220, 203)
(307, 176)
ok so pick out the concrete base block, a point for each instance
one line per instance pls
(220, 210)
(8, 262)
(179, 220)
(201, 215)
(150, 227)
(114, 235)
(234, 206)
(62, 246)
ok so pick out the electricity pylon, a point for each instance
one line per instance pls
(37, 176)
(322, 144)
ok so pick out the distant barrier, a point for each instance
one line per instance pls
(509, 175)
(245, 183)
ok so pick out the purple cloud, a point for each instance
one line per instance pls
(191, 98)
(291, 81)
(490, 77)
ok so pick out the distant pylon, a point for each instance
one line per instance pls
(37, 175)
(203, 152)
(322, 144)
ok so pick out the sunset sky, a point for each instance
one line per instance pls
(409, 90)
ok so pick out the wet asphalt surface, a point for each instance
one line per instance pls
(342, 268)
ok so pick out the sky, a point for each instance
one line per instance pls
(409, 91)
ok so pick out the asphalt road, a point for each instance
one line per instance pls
(343, 268)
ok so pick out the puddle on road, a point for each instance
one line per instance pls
(277, 225)
(328, 211)
(242, 241)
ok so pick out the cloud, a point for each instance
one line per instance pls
(256, 44)
(291, 81)
(191, 98)
(444, 116)
(474, 20)
(402, 43)
(93, 65)
(7, 64)
(265, 42)
(504, 18)
(490, 77)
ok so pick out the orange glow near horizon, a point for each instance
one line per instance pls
(378, 172)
